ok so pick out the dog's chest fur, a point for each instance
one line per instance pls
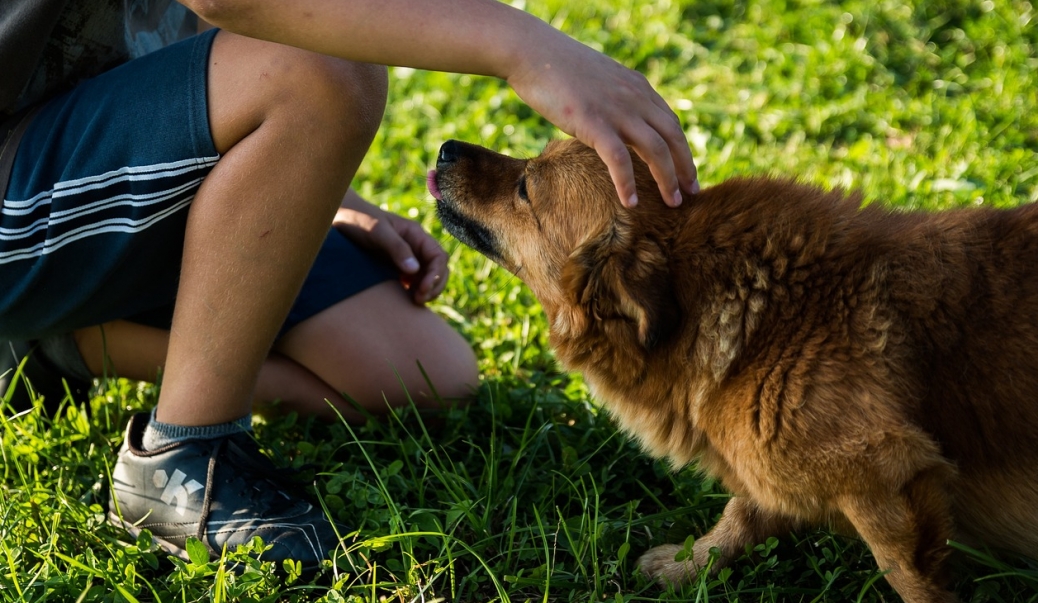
(721, 395)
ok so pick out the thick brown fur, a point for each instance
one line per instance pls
(831, 364)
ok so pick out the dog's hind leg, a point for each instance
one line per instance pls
(907, 532)
(741, 523)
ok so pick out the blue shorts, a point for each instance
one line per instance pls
(93, 219)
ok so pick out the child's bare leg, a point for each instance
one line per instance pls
(352, 348)
(292, 128)
(138, 352)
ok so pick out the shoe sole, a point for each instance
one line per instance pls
(134, 531)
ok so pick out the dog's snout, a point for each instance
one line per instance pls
(449, 152)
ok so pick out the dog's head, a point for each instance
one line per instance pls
(556, 221)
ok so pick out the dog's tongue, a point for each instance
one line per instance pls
(430, 181)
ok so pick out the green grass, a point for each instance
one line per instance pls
(530, 493)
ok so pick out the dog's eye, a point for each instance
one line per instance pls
(522, 189)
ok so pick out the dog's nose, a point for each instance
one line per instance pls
(448, 153)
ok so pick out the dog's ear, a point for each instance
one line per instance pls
(613, 276)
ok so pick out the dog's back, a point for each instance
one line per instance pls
(977, 358)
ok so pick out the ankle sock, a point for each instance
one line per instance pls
(158, 434)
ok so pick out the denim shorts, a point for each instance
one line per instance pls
(93, 219)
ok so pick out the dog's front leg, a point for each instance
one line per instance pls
(907, 532)
(742, 523)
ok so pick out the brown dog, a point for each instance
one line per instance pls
(831, 364)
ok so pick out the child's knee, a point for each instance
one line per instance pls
(439, 370)
(350, 94)
(457, 373)
(334, 103)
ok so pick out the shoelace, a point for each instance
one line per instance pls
(242, 453)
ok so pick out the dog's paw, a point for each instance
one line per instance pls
(659, 564)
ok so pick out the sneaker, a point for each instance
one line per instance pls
(44, 379)
(222, 491)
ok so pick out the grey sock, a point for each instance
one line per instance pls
(157, 434)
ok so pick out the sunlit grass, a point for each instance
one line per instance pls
(531, 494)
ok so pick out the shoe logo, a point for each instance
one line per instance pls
(174, 488)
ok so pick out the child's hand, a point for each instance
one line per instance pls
(418, 256)
(607, 106)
